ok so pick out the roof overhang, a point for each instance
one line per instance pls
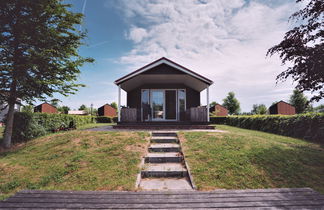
(189, 78)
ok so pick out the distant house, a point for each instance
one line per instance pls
(78, 112)
(107, 110)
(218, 110)
(282, 108)
(45, 108)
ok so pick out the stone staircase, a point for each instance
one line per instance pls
(164, 167)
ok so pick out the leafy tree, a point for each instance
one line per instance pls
(83, 107)
(64, 109)
(319, 108)
(27, 108)
(231, 103)
(303, 46)
(55, 102)
(114, 105)
(212, 104)
(38, 52)
(299, 101)
(259, 109)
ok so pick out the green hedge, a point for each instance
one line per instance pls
(104, 119)
(304, 126)
(217, 120)
(31, 125)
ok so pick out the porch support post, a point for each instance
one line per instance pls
(119, 93)
(207, 92)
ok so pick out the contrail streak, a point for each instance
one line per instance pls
(83, 10)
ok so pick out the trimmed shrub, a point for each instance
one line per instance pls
(217, 120)
(305, 126)
(104, 119)
(31, 125)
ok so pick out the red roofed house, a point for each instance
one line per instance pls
(45, 108)
(107, 110)
(218, 110)
(282, 108)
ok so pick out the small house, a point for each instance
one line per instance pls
(45, 108)
(218, 110)
(163, 91)
(283, 108)
(107, 110)
(78, 112)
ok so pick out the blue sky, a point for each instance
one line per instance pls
(225, 40)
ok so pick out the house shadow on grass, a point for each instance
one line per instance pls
(295, 166)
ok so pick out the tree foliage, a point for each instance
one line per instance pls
(27, 108)
(83, 107)
(64, 109)
(212, 104)
(259, 109)
(114, 105)
(232, 104)
(38, 52)
(299, 101)
(303, 46)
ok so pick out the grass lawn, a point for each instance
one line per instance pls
(241, 159)
(94, 125)
(74, 160)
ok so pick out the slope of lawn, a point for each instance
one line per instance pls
(241, 159)
(74, 160)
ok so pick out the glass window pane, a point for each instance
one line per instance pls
(182, 103)
(146, 104)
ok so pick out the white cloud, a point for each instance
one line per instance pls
(224, 40)
(137, 34)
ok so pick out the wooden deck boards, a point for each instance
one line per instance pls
(299, 198)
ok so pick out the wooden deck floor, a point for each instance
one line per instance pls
(299, 198)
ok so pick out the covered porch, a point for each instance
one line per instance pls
(163, 92)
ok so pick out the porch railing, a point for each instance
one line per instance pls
(193, 114)
(197, 114)
(128, 115)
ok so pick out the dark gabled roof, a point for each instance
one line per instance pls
(45, 103)
(106, 105)
(280, 102)
(167, 62)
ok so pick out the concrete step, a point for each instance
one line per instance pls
(165, 184)
(168, 157)
(164, 170)
(164, 139)
(164, 148)
(164, 134)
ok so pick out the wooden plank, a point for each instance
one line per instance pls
(164, 196)
(170, 206)
(272, 190)
(160, 201)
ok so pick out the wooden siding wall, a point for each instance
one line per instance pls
(192, 96)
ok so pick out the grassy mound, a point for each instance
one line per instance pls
(75, 160)
(241, 159)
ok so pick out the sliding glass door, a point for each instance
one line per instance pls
(163, 104)
(157, 104)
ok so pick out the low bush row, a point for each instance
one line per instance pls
(31, 125)
(304, 126)
(104, 119)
